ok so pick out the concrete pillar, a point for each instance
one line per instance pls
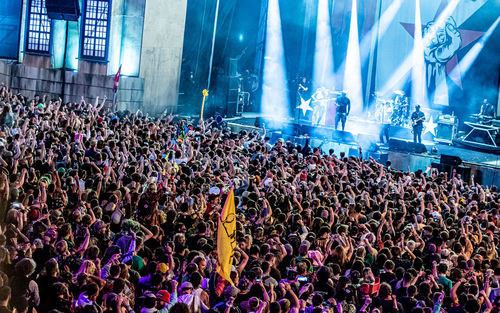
(161, 55)
(22, 37)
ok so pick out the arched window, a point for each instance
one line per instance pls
(95, 29)
(38, 28)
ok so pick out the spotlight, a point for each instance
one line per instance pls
(240, 37)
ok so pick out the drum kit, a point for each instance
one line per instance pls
(395, 111)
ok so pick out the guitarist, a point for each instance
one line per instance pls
(343, 109)
(418, 118)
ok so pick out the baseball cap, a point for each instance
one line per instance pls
(163, 268)
(186, 285)
(163, 295)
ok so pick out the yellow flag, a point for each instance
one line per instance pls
(226, 238)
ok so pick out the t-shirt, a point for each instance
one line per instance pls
(442, 280)
(418, 116)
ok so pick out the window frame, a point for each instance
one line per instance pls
(103, 59)
(27, 48)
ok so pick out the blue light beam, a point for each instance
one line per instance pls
(275, 103)
(352, 72)
(419, 86)
(323, 53)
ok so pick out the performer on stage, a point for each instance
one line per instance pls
(320, 100)
(343, 109)
(303, 88)
(303, 94)
(385, 119)
(417, 118)
(487, 109)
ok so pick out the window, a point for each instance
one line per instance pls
(38, 37)
(95, 29)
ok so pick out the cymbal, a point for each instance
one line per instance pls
(399, 92)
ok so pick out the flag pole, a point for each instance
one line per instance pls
(205, 94)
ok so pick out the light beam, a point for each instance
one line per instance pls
(275, 99)
(323, 53)
(352, 71)
(418, 78)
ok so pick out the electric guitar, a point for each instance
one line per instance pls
(415, 121)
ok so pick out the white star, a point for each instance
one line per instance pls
(304, 105)
(430, 127)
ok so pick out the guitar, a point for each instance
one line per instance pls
(415, 121)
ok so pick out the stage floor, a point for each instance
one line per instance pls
(365, 132)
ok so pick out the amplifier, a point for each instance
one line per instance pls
(446, 132)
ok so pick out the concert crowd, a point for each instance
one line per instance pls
(118, 213)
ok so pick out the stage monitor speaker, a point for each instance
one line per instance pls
(450, 160)
(343, 136)
(68, 10)
(416, 147)
(397, 145)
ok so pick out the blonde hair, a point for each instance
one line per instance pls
(88, 267)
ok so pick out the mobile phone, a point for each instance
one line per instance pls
(257, 280)
(302, 278)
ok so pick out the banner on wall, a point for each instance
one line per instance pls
(447, 36)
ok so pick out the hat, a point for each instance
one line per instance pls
(231, 291)
(33, 214)
(163, 268)
(186, 285)
(214, 190)
(251, 305)
(163, 295)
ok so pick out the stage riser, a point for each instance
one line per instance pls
(484, 175)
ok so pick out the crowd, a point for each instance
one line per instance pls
(118, 213)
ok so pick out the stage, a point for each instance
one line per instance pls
(365, 133)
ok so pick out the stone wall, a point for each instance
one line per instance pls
(161, 55)
(30, 80)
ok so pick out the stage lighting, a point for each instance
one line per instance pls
(323, 53)
(418, 73)
(352, 71)
(275, 100)
(240, 37)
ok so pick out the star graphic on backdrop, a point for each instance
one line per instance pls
(304, 105)
(468, 36)
(430, 127)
